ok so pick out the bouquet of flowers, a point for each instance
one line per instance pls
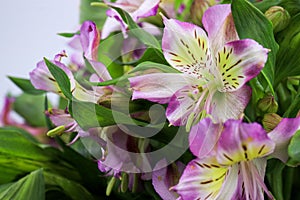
(161, 99)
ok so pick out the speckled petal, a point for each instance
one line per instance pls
(182, 104)
(242, 142)
(186, 47)
(240, 61)
(201, 179)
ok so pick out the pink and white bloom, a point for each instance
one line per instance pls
(214, 68)
(136, 9)
(42, 79)
(234, 167)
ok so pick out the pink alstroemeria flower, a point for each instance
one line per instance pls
(42, 79)
(87, 41)
(136, 9)
(233, 168)
(214, 70)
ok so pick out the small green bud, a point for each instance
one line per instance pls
(270, 121)
(268, 104)
(56, 131)
(279, 17)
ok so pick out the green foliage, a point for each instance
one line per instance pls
(248, 18)
(294, 148)
(25, 85)
(152, 65)
(98, 116)
(31, 187)
(31, 108)
(289, 40)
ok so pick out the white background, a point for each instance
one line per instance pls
(29, 32)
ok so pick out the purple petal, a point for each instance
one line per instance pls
(166, 177)
(42, 79)
(113, 23)
(218, 22)
(240, 61)
(89, 38)
(158, 87)
(101, 70)
(282, 134)
(63, 118)
(182, 104)
(203, 137)
(186, 47)
(242, 142)
(229, 105)
(146, 9)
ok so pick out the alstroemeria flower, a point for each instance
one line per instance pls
(42, 79)
(136, 9)
(214, 69)
(235, 167)
(87, 42)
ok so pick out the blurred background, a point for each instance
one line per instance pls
(29, 33)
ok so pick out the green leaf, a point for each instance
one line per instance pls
(68, 35)
(247, 18)
(294, 107)
(24, 133)
(20, 155)
(61, 78)
(30, 187)
(152, 65)
(89, 115)
(31, 108)
(149, 55)
(10, 139)
(294, 147)
(292, 6)
(275, 177)
(70, 188)
(25, 85)
(289, 40)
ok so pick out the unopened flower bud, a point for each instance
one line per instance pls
(270, 121)
(279, 17)
(198, 8)
(268, 104)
